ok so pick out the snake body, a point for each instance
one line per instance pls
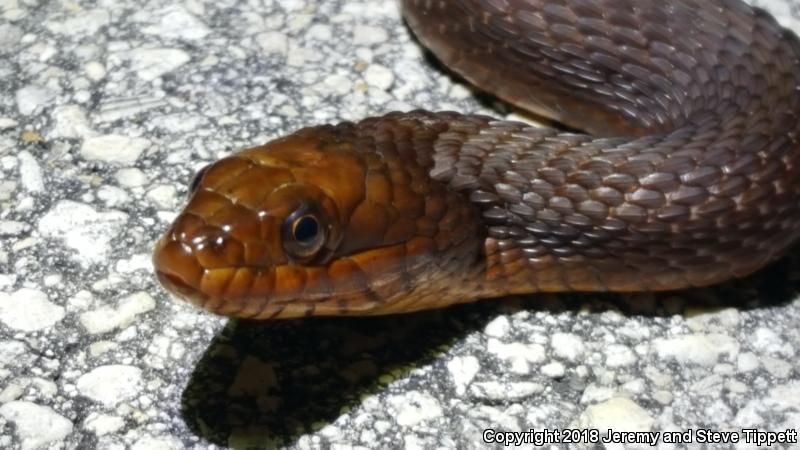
(687, 174)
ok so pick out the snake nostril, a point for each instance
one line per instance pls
(207, 237)
(186, 227)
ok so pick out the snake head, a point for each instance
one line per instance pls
(316, 223)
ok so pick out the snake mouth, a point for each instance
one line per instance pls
(221, 289)
(180, 287)
(178, 271)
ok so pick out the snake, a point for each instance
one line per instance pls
(676, 165)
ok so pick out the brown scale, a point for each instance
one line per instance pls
(687, 176)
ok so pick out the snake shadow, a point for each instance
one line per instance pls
(265, 384)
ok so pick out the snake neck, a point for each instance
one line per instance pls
(565, 212)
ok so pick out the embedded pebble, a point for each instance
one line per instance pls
(30, 174)
(701, 349)
(140, 261)
(747, 362)
(131, 177)
(594, 393)
(80, 22)
(29, 310)
(618, 413)
(152, 63)
(369, 35)
(777, 367)
(463, 370)
(16, 387)
(175, 22)
(412, 408)
(80, 301)
(337, 83)
(273, 42)
(378, 76)
(10, 350)
(177, 123)
(95, 70)
(31, 97)
(114, 149)
(36, 425)
(108, 318)
(12, 391)
(100, 347)
(111, 384)
(113, 196)
(71, 122)
(9, 35)
(7, 280)
(101, 424)
(568, 346)
(663, 397)
(83, 229)
(8, 163)
(619, 356)
(163, 196)
(505, 419)
(493, 390)
(320, 32)
(121, 108)
(7, 123)
(12, 227)
(519, 355)
(767, 340)
(553, 370)
(498, 327)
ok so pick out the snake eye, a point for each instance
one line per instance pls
(303, 234)
(198, 177)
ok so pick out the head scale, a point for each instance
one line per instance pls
(318, 223)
